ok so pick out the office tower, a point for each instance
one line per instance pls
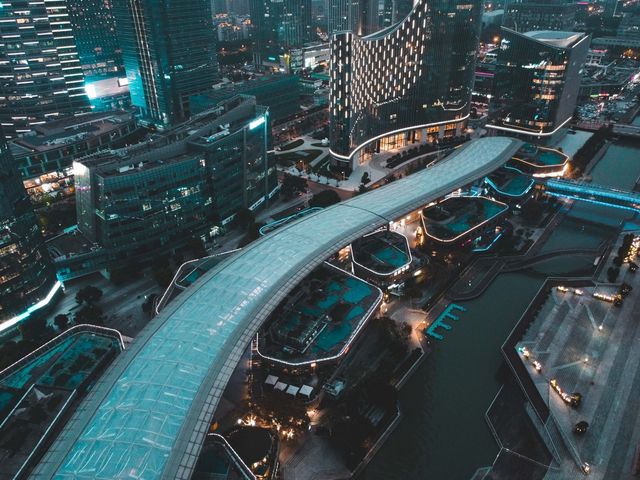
(342, 15)
(189, 182)
(528, 15)
(27, 279)
(169, 53)
(280, 25)
(358, 16)
(95, 31)
(408, 84)
(279, 92)
(40, 74)
(393, 11)
(219, 6)
(536, 83)
(238, 7)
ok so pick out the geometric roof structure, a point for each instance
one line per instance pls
(148, 415)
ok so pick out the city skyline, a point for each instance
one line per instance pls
(328, 239)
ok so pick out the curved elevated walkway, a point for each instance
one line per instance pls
(148, 416)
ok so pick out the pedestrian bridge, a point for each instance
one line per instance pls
(591, 193)
(148, 415)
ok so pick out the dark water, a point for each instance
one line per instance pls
(443, 435)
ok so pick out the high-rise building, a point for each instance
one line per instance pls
(95, 30)
(189, 182)
(280, 25)
(411, 82)
(343, 15)
(40, 74)
(280, 93)
(536, 83)
(359, 16)
(393, 11)
(27, 279)
(169, 53)
(529, 15)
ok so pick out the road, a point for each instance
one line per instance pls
(121, 304)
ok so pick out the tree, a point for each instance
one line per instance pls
(90, 313)
(61, 321)
(88, 294)
(365, 178)
(196, 245)
(34, 328)
(245, 217)
(324, 198)
(163, 275)
(9, 353)
(292, 186)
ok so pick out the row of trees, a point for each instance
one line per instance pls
(36, 330)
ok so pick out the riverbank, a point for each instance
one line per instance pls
(448, 395)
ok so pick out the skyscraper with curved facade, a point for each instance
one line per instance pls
(408, 83)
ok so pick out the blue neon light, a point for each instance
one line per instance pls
(42, 303)
(596, 202)
(488, 247)
(593, 190)
(495, 187)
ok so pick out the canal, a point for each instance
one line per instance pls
(443, 435)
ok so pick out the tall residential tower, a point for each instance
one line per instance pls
(168, 49)
(411, 82)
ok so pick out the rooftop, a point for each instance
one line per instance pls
(510, 182)
(556, 38)
(35, 391)
(55, 134)
(382, 252)
(150, 413)
(454, 217)
(540, 156)
(320, 318)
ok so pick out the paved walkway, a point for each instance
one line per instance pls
(601, 364)
(316, 459)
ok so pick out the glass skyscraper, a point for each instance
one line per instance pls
(411, 82)
(95, 30)
(27, 278)
(359, 16)
(169, 53)
(40, 73)
(536, 83)
(280, 25)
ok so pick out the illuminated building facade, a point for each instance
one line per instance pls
(95, 30)
(40, 74)
(406, 84)
(536, 83)
(155, 196)
(27, 278)
(169, 53)
(45, 156)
